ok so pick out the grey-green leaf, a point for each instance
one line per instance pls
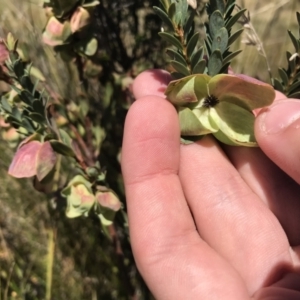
(220, 40)
(278, 86)
(174, 55)
(171, 39)
(229, 57)
(235, 36)
(234, 19)
(196, 57)
(294, 41)
(216, 22)
(283, 76)
(215, 63)
(164, 17)
(192, 44)
(172, 11)
(200, 67)
(180, 68)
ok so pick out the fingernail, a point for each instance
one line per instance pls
(280, 116)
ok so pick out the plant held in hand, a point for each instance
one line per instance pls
(208, 100)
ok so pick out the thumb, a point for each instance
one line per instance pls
(277, 130)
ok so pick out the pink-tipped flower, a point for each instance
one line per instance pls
(80, 19)
(56, 33)
(33, 159)
(3, 53)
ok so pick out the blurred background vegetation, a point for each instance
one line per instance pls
(39, 246)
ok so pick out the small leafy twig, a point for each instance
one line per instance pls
(289, 82)
(213, 56)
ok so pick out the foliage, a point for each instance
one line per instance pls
(67, 129)
(289, 82)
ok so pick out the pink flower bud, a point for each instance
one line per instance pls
(56, 33)
(3, 53)
(80, 18)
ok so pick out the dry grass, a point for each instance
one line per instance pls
(271, 21)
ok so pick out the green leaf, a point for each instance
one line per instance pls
(16, 114)
(283, 75)
(187, 90)
(62, 148)
(196, 57)
(88, 47)
(202, 114)
(171, 39)
(241, 90)
(180, 68)
(292, 63)
(192, 44)
(190, 124)
(38, 107)
(172, 11)
(18, 67)
(278, 85)
(294, 86)
(11, 42)
(294, 41)
(28, 125)
(65, 138)
(229, 10)
(5, 105)
(181, 12)
(165, 4)
(229, 3)
(215, 63)
(175, 55)
(164, 17)
(200, 67)
(36, 117)
(295, 95)
(235, 36)
(26, 97)
(188, 26)
(235, 122)
(234, 19)
(229, 57)
(37, 74)
(216, 22)
(218, 5)
(176, 75)
(220, 40)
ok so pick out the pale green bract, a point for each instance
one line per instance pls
(221, 105)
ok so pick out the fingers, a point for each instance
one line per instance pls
(171, 257)
(230, 217)
(273, 186)
(151, 82)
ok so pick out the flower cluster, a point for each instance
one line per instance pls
(221, 105)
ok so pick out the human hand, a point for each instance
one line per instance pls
(209, 221)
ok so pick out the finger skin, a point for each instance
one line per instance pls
(151, 83)
(278, 135)
(169, 253)
(275, 188)
(230, 217)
